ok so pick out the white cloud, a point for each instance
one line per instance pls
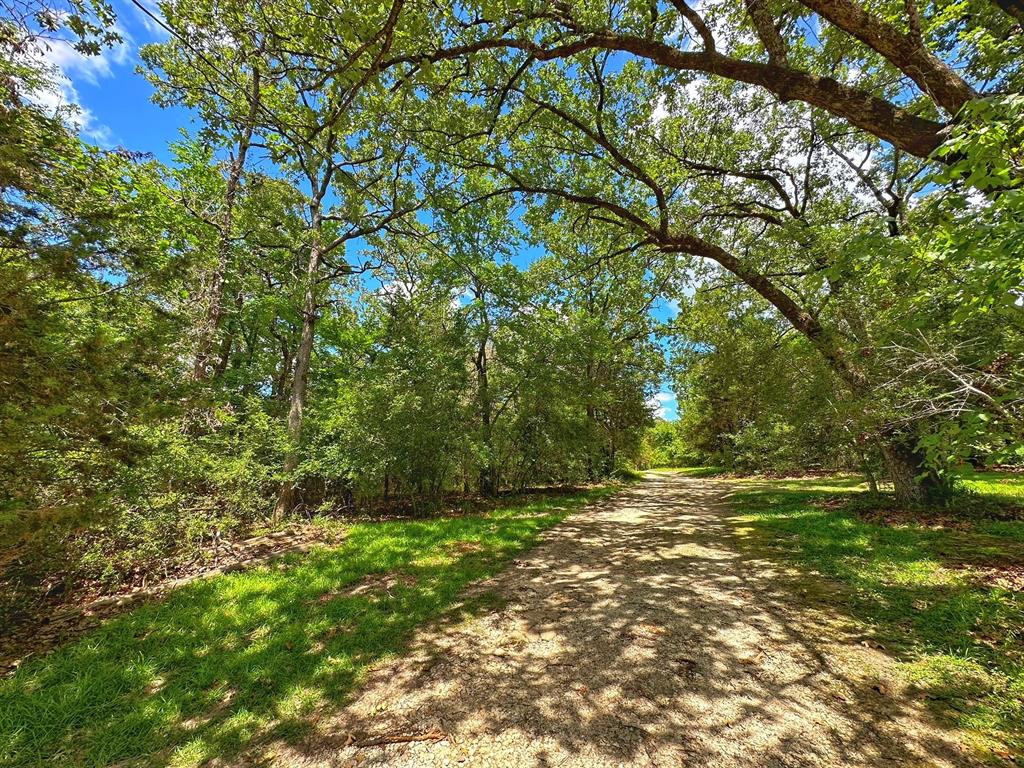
(690, 92)
(62, 99)
(74, 65)
(67, 66)
(152, 25)
(459, 300)
(660, 403)
(397, 289)
(660, 110)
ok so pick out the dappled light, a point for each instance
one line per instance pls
(925, 590)
(504, 383)
(254, 654)
(642, 631)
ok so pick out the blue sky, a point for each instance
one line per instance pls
(115, 102)
(116, 110)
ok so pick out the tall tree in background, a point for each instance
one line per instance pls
(693, 171)
(476, 240)
(331, 137)
(219, 77)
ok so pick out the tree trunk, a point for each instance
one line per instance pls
(215, 309)
(591, 412)
(300, 380)
(901, 127)
(869, 472)
(279, 391)
(1013, 8)
(913, 483)
(488, 480)
(905, 51)
(227, 344)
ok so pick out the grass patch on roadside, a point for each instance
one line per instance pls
(1006, 487)
(226, 662)
(689, 471)
(924, 590)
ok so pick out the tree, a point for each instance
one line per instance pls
(329, 137)
(689, 172)
(604, 290)
(884, 71)
(91, 244)
(401, 418)
(751, 393)
(475, 240)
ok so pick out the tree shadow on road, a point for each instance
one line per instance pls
(644, 632)
(247, 657)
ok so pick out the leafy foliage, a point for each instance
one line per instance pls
(414, 249)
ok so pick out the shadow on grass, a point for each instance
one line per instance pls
(248, 656)
(960, 638)
(645, 633)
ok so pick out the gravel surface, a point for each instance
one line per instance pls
(638, 633)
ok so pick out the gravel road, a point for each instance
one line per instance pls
(639, 632)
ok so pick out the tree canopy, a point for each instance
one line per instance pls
(406, 250)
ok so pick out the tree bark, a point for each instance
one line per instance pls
(488, 472)
(913, 484)
(872, 481)
(1013, 8)
(588, 373)
(906, 52)
(300, 377)
(488, 480)
(227, 344)
(902, 128)
(767, 33)
(280, 388)
(215, 309)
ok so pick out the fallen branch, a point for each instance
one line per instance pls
(383, 741)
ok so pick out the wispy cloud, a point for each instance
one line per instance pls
(91, 69)
(62, 99)
(151, 19)
(67, 66)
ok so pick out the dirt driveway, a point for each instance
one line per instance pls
(638, 633)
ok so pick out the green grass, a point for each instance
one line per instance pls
(1003, 486)
(999, 488)
(232, 660)
(916, 588)
(689, 471)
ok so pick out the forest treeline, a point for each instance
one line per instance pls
(407, 249)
